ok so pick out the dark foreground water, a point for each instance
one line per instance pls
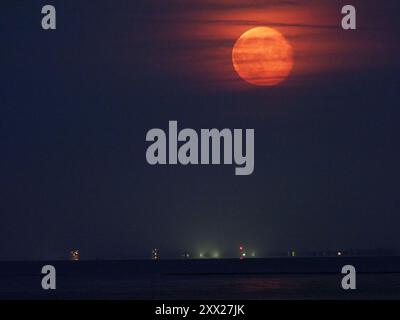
(308, 278)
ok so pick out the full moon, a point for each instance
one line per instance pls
(262, 56)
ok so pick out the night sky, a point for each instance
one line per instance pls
(76, 104)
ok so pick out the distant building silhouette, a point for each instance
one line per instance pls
(74, 255)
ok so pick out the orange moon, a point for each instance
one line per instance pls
(262, 56)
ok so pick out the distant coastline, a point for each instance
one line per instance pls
(275, 265)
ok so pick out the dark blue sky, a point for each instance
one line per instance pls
(76, 104)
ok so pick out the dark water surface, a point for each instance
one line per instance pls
(280, 278)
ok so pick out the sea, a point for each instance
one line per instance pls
(313, 278)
